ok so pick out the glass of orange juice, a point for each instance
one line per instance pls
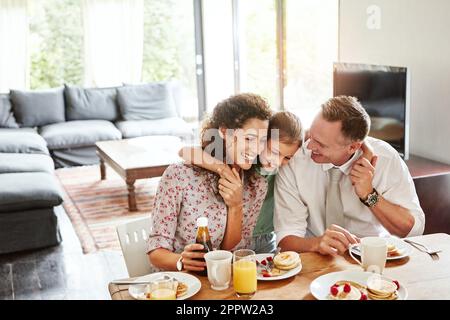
(244, 273)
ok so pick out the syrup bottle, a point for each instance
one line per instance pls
(203, 238)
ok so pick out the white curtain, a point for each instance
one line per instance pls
(13, 44)
(113, 41)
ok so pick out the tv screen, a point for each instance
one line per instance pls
(382, 91)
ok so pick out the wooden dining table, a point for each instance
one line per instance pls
(424, 277)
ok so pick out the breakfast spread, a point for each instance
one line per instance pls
(280, 264)
(376, 289)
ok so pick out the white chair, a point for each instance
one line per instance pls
(133, 241)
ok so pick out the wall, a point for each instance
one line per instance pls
(415, 34)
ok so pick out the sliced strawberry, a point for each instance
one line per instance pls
(264, 262)
(334, 290)
(397, 284)
(270, 259)
(266, 275)
(363, 297)
(347, 288)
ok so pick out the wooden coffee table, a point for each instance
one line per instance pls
(138, 158)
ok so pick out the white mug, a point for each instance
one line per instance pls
(373, 254)
(218, 263)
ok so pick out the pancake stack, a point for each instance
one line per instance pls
(182, 289)
(382, 290)
(392, 251)
(287, 260)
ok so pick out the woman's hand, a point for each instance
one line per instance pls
(230, 188)
(189, 254)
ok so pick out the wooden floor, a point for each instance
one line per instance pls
(61, 272)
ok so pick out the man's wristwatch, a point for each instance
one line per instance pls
(372, 199)
(180, 264)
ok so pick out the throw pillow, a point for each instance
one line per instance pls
(91, 103)
(146, 102)
(38, 108)
(7, 119)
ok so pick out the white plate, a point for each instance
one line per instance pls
(260, 257)
(137, 291)
(402, 246)
(320, 287)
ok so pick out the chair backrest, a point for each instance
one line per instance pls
(133, 241)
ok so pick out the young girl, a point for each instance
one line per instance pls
(238, 127)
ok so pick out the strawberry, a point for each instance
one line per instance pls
(264, 262)
(347, 288)
(334, 290)
(397, 284)
(363, 297)
(266, 275)
(270, 259)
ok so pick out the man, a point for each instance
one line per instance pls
(327, 197)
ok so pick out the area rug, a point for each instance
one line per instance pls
(96, 207)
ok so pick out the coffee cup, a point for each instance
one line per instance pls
(373, 254)
(218, 263)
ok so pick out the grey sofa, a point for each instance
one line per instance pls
(47, 129)
(29, 192)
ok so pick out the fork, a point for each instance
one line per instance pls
(421, 247)
(271, 263)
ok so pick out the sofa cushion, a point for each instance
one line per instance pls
(21, 141)
(74, 134)
(30, 190)
(7, 119)
(91, 103)
(146, 101)
(22, 162)
(38, 108)
(169, 126)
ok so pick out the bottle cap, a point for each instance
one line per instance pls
(202, 222)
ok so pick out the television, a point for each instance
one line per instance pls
(384, 93)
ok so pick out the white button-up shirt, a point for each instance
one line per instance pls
(301, 188)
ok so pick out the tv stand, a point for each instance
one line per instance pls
(432, 181)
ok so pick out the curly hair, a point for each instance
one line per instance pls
(234, 112)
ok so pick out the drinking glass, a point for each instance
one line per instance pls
(244, 273)
(163, 289)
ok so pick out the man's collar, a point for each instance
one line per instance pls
(346, 167)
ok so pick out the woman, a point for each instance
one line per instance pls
(238, 130)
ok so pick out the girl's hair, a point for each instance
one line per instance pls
(289, 127)
(232, 113)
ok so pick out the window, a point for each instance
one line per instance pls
(169, 48)
(311, 49)
(258, 49)
(218, 47)
(56, 43)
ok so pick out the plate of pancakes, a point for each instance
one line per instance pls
(282, 266)
(357, 285)
(187, 285)
(396, 249)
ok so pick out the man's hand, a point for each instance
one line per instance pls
(336, 240)
(361, 175)
(230, 188)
